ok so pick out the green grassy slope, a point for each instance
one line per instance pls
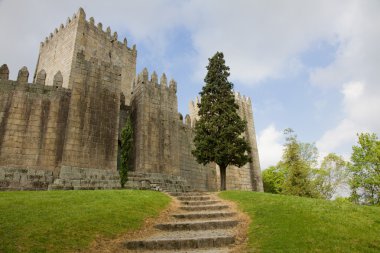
(293, 224)
(63, 221)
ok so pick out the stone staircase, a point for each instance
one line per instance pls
(202, 223)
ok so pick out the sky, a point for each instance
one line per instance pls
(313, 66)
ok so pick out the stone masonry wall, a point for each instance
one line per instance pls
(93, 119)
(163, 143)
(155, 116)
(59, 51)
(202, 178)
(62, 130)
(246, 113)
(32, 122)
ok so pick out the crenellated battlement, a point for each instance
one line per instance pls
(37, 87)
(143, 80)
(244, 102)
(80, 16)
(67, 122)
(59, 50)
(70, 23)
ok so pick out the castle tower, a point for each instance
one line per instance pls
(247, 177)
(155, 115)
(58, 52)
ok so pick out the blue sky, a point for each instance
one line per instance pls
(313, 66)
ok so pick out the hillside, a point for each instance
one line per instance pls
(294, 224)
(67, 221)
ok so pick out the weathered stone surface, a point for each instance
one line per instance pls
(65, 127)
(59, 53)
(4, 72)
(12, 178)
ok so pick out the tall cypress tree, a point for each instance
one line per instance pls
(126, 150)
(218, 132)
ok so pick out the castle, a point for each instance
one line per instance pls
(62, 131)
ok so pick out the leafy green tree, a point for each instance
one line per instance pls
(309, 153)
(218, 132)
(330, 175)
(126, 151)
(298, 179)
(274, 178)
(365, 170)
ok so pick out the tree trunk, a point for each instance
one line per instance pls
(222, 178)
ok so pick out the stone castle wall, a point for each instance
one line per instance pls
(155, 115)
(246, 113)
(200, 177)
(248, 177)
(33, 119)
(92, 130)
(63, 130)
(58, 51)
(163, 142)
(48, 128)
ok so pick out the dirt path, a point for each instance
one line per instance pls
(194, 222)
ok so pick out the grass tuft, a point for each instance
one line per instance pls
(294, 224)
(66, 221)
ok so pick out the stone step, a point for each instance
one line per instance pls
(215, 250)
(189, 198)
(197, 225)
(204, 208)
(176, 194)
(181, 240)
(199, 203)
(204, 215)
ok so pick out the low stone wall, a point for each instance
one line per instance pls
(157, 181)
(74, 178)
(24, 179)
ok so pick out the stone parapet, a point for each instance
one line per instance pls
(157, 181)
(24, 179)
(75, 178)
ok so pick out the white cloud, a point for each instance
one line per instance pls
(25, 24)
(355, 71)
(361, 109)
(261, 40)
(358, 57)
(270, 145)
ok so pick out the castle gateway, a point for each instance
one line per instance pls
(62, 131)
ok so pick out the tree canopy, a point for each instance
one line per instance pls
(331, 175)
(365, 170)
(298, 180)
(218, 132)
(298, 172)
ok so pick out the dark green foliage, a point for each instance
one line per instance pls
(365, 170)
(298, 181)
(297, 172)
(126, 150)
(218, 132)
(273, 178)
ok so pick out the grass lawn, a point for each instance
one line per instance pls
(64, 221)
(293, 224)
